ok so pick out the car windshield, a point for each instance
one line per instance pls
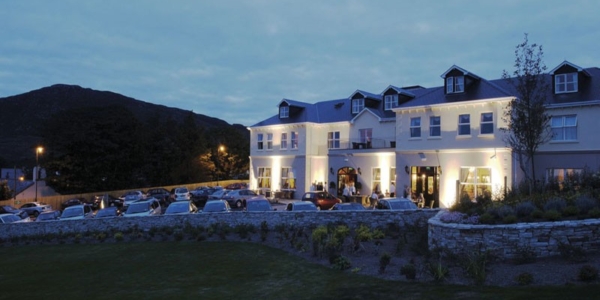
(135, 208)
(402, 205)
(258, 206)
(178, 207)
(72, 212)
(9, 209)
(10, 218)
(304, 206)
(48, 216)
(181, 190)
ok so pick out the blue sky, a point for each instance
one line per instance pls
(235, 60)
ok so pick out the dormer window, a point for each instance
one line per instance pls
(455, 84)
(358, 105)
(390, 101)
(284, 112)
(565, 83)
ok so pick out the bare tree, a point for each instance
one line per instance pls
(526, 114)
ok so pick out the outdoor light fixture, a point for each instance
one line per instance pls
(39, 150)
(406, 169)
(359, 172)
(331, 171)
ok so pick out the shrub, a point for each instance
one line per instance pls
(594, 212)
(487, 218)
(409, 271)
(342, 263)
(572, 253)
(438, 271)
(524, 278)
(552, 215)
(557, 204)
(384, 261)
(587, 273)
(510, 219)
(475, 264)
(537, 214)
(570, 211)
(118, 236)
(585, 204)
(525, 209)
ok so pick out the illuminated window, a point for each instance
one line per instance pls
(264, 178)
(287, 178)
(475, 182)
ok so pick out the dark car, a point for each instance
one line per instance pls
(108, 212)
(301, 206)
(322, 200)
(70, 202)
(181, 208)
(48, 216)
(200, 195)
(236, 186)
(259, 203)
(237, 198)
(396, 204)
(7, 209)
(163, 195)
(348, 206)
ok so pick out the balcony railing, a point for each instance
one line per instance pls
(358, 144)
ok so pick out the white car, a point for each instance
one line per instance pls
(77, 212)
(131, 197)
(146, 207)
(35, 208)
(181, 194)
(12, 218)
(181, 207)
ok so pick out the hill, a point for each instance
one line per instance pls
(22, 115)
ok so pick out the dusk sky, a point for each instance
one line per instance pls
(235, 60)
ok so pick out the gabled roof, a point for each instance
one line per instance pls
(465, 72)
(566, 63)
(293, 103)
(366, 110)
(398, 90)
(366, 95)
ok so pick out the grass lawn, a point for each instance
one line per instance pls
(215, 270)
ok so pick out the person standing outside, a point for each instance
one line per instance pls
(346, 192)
(374, 199)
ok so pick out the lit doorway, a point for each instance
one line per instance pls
(345, 175)
(424, 181)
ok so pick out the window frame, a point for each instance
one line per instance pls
(479, 186)
(390, 101)
(269, 141)
(263, 179)
(366, 135)
(455, 84)
(563, 128)
(284, 112)
(433, 126)
(376, 180)
(485, 124)
(567, 80)
(259, 142)
(333, 140)
(358, 105)
(294, 137)
(287, 181)
(283, 144)
(462, 125)
(415, 127)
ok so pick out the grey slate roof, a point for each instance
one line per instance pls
(339, 110)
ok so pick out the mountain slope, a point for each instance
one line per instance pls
(22, 115)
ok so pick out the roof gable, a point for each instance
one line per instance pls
(455, 69)
(567, 67)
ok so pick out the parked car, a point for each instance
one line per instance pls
(301, 206)
(77, 212)
(236, 186)
(108, 212)
(200, 195)
(105, 200)
(348, 206)
(322, 200)
(12, 218)
(218, 194)
(48, 216)
(258, 203)
(141, 208)
(181, 207)
(237, 198)
(70, 202)
(35, 208)
(180, 194)
(132, 196)
(161, 194)
(7, 209)
(216, 206)
(396, 204)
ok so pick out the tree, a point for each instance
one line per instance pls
(526, 114)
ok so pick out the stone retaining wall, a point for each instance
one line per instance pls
(378, 218)
(543, 238)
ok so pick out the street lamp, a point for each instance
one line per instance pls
(219, 150)
(39, 150)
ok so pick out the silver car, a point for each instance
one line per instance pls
(146, 207)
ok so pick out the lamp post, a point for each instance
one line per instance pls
(39, 150)
(219, 150)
